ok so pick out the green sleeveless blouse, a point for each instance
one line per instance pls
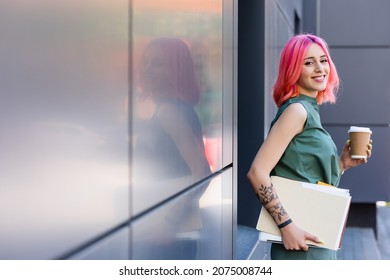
(311, 156)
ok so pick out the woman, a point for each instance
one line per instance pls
(169, 141)
(297, 146)
(169, 152)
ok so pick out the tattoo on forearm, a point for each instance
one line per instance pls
(277, 211)
(266, 194)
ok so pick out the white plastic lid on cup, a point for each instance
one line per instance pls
(359, 129)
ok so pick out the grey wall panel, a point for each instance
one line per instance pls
(276, 37)
(228, 214)
(65, 115)
(289, 9)
(114, 247)
(358, 36)
(64, 125)
(177, 144)
(310, 18)
(358, 22)
(229, 80)
(369, 182)
(364, 96)
(189, 226)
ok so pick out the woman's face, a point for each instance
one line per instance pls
(315, 71)
(153, 70)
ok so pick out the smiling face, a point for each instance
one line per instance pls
(315, 71)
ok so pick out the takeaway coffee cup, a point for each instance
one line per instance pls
(359, 139)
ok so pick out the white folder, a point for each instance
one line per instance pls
(317, 209)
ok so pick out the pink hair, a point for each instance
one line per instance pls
(291, 61)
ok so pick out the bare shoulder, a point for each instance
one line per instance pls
(295, 111)
(293, 118)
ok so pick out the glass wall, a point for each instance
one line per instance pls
(177, 99)
(182, 129)
(64, 176)
(195, 225)
(113, 114)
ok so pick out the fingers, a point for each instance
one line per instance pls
(369, 150)
(305, 247)
(298, 247)
(313, 238)
(347, 144)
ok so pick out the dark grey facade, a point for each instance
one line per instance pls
(261, 39)
(361, 49)
(360, 45)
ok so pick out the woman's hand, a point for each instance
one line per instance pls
(295, 238)
(345, 159)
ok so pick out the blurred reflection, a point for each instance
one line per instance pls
(173, 232)
(168, 152)
(169, 140)
(181, 230)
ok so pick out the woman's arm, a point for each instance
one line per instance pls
(290, 123)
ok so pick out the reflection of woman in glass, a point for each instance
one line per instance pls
(170, 141)
(169, 149)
